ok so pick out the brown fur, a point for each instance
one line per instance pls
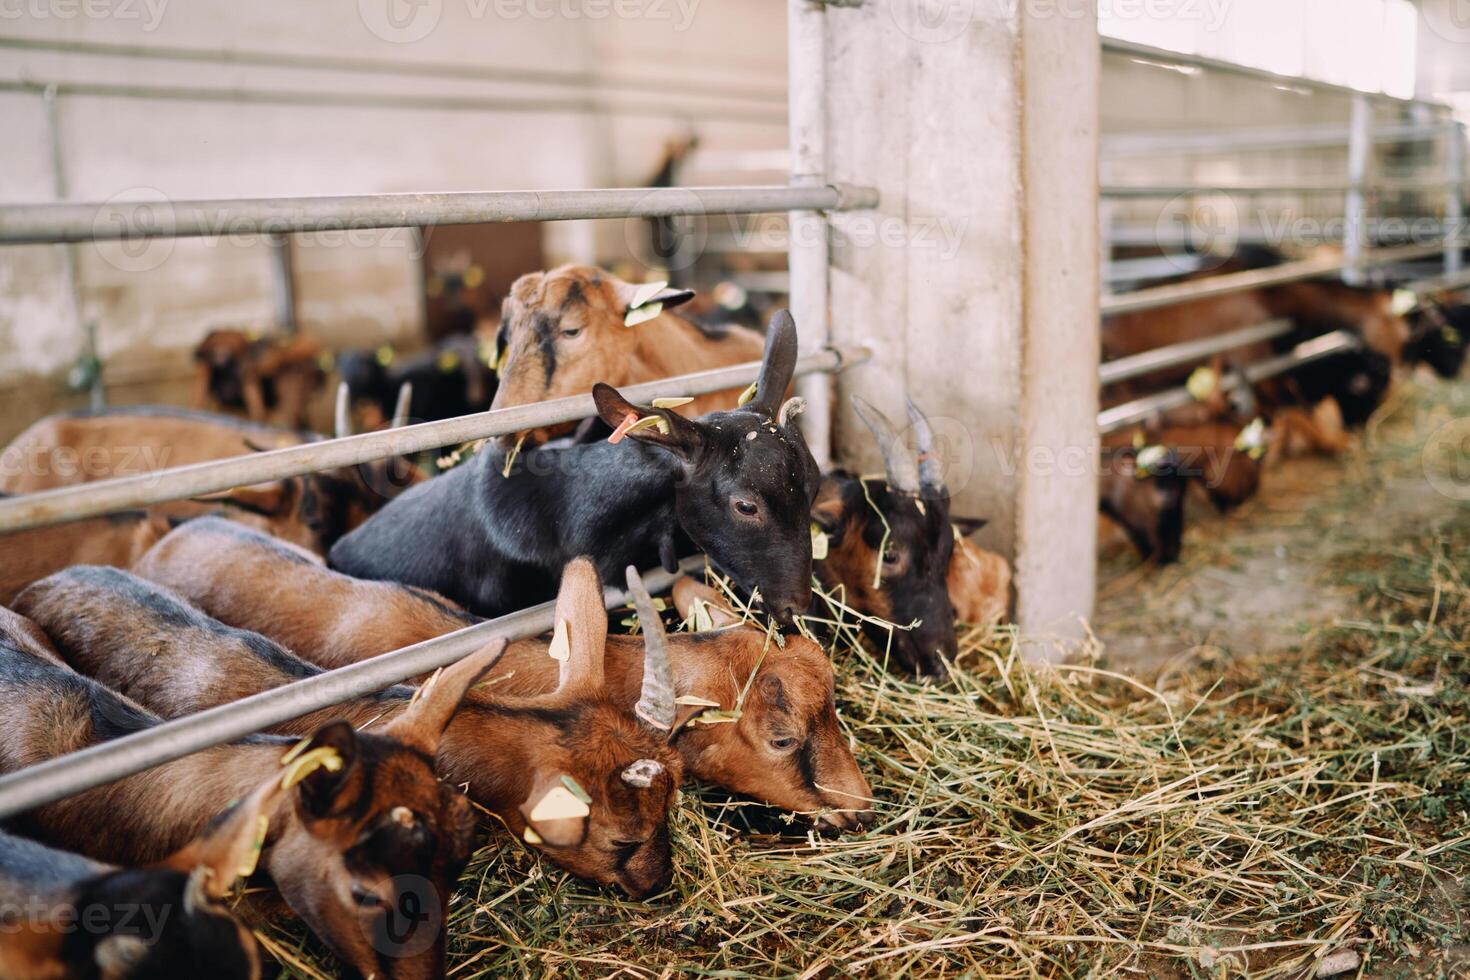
(322, 850)
(277, 376)
(850, 564)
(1300, 433)
(117, 540)
(496, 747)
(594, 301)
(979, 583)
(254, 585)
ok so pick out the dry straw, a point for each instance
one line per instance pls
(1270, 816)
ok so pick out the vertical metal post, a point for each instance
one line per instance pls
(283, 283)
(1454, 207)
(1360, 143)
(59, 187)
(807, 236)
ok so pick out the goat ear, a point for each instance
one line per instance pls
(968, 525)
(554, 815)
(275, 499)
(579, 605)
(230, 847)
(684, 438)
(644, 297)
(778, 365)
(319, 788)
(436, 700)
(829, 509)
(688, 591)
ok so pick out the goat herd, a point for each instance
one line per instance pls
(361, 816)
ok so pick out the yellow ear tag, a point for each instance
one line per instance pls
(649, 422)
(671, 402)
(448, 361)
(1404, 301)
(473, 276)
(385, 355)
(1148, 458)
(695, 701)
(700, 621)
(749, 393)
(561, 644)
(1252, 439)
(1202, 383)
(1138, 442)
(308, 763)
(326, 361)
(501, 359)
(252, 859)
(295, 751)
(819, 543)
(434, 287)
(532, 837)
(559, 803)
(638, 314)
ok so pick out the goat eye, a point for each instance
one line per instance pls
(746, 508)
(890, 557)
(627, 845)
(571, 333)
(783, 744)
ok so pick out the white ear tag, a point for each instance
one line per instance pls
(559, 803)
(638, 314)
(819, 543)
(1404, 301)
(561, 644)
(646, 292)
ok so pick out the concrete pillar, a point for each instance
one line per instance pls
(977, 279)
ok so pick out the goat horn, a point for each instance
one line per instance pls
(903, 470)
(931, 475)
(400, 408)
(642, 773)
(790, 409)
(344, 410)
(656, 701)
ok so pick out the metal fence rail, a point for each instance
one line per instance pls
(108, 496)
(1233, 282)
(30, 224)
(1189, 351)
(79, 771)
(1130, 413)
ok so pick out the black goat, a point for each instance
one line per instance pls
(738, 485)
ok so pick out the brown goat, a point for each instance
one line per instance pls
(979, 583)
(508, 752)
(330, 619)
(269, 378)
(117, 539)
(163, 921)
(357, 842)
(312, 511)
(563, 330)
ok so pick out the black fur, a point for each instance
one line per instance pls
(498, 543)
(438, 393)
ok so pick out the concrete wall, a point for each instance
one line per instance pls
(580, 101)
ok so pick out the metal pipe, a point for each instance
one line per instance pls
(1355, 232)
(1360, 188)
(1167, 58)
(1265, 138)
(97, 392)
(591, 104)
(1189, 351)
(807, 259)
(1454, 208)
(283, 282)
(1131, 413)
(29, 224)
(123, 493)
(217, 57)
(1147, 299)
(76, 772)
